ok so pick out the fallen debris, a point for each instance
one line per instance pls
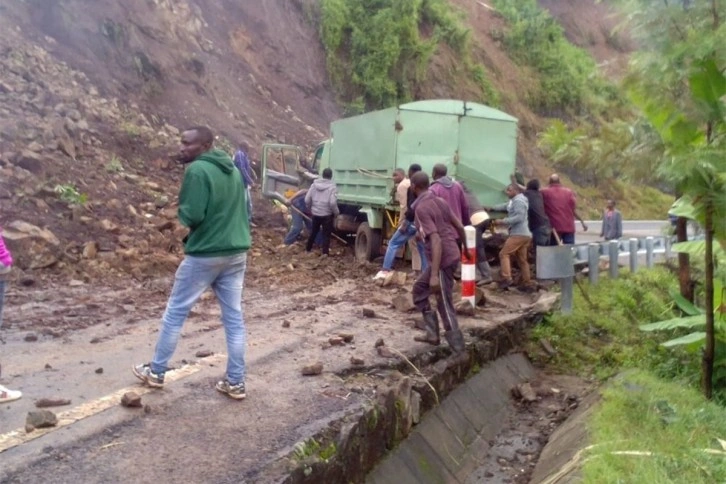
(524, 392)
(40, 419)
(347, 337)
(385, 352)
(204, 353)
(403, 303)
(379, 342)
(336, 341)
(52, 402)
(312, 370)
(369, 313)
(465, 308)
(131, 400)
(357, 362)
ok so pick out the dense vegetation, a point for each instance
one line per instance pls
(378, 52)
(568, 77)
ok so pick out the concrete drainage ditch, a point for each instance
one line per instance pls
(451, 440)
(437, 422)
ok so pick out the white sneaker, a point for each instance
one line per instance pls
(381, 275)
(9, 395)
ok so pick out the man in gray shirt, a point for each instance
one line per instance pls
(517, 244)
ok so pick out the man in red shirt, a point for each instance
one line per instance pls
(439, 228)
(560, 207)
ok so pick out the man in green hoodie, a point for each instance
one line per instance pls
(213, 206)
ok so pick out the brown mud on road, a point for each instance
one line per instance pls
(78, 342)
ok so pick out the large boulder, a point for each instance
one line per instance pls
(32, 247)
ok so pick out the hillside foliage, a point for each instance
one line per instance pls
(378, 52)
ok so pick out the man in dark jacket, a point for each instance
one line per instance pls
(439, 228)
(451, 191)
(322, 199)
(539, 224)
(212, 205)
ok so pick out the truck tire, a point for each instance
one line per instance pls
(367, 242)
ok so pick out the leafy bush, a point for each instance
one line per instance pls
(567, 74)
(377, 54)
(70, 194)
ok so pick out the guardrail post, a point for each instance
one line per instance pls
(649, 252)
(668, 247)
(633, 255)
(613, 253)
(566, 288)
(593, 262)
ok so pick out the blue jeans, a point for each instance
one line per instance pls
(225, 275)
(248, 193)
(399, 239)
(567, 238)
(298, 222)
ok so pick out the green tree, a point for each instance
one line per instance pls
(678, 81)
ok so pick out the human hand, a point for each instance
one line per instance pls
(584, 226)
(434, 282)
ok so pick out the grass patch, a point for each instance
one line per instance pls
(602, 341)
(648, 430)
(635, 201)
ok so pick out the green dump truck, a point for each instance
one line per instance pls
(477, 143)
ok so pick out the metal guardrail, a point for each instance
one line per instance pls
(559, 262)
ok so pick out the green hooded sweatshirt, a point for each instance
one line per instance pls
(212, 204)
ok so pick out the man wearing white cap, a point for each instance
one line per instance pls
(480, 221)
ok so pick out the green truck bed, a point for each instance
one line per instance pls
(477, 143)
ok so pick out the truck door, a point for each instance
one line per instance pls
(282, 172)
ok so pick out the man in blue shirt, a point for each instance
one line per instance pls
(249, 177)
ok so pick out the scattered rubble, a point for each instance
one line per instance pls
(52, 402)
(40, 419)
(131, 400)
(313, 370)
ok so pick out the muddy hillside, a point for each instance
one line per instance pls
(93, 94)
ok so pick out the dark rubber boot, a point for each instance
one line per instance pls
(455, 338)
(431, 320)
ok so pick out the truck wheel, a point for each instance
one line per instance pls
(367, 242)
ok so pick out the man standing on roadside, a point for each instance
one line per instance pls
(517, 244)
(612, 222)
(212, 205)
(406, 231)
(560, 206)
(439, 229)
(451, 191)
(249, 177)
(539, 223)
(322, 199)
